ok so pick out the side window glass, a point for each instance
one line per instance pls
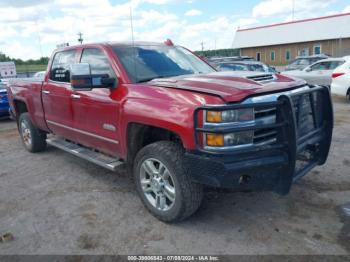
(335, 64)
(98, 62)
(325, 66)
(61, 65)
(315, 67)
(320, 66)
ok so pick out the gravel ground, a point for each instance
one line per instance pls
(55, 203)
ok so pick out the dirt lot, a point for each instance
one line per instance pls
(55, 203)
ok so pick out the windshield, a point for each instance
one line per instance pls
(258, 68)
(144, 63)
(234, 67)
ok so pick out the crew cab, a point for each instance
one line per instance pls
(174, 121)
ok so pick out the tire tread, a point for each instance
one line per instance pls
(192, 192)
(38, 136)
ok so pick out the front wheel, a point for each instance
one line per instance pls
(34, 140)
(163, 183)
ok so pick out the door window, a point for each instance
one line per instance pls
(98, 62)
(321, 66)
(335, 64)
(61, 66)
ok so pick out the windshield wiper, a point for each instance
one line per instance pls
(151, 78)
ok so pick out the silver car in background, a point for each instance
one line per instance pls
(319, 73)
(301, 62)
(249, 66)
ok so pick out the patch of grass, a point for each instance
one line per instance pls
(30, 68)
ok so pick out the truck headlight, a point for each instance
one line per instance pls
(238, 115)
(225, 117)
(230, 139)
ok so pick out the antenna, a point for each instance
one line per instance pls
(202, 44)
(133, 42)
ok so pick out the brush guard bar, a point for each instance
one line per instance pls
(304, 124)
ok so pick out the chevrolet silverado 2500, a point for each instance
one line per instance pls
(175, 122)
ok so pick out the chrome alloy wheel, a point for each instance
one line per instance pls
(26, 135)
(157, 184)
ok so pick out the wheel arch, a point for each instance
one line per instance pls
(20, 107)
(140, 135)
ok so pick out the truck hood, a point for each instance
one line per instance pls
(231, 86)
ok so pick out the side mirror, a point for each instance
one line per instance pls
(82, 79)
(308, 69)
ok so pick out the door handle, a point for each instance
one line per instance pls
(75, 96)
(46, 92)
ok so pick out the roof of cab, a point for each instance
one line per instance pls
(125, 43)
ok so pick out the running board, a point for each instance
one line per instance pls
(85, 153)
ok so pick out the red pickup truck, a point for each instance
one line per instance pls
(174, 121)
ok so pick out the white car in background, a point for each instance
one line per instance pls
(40, 74)
(341, 79)
(319, 73)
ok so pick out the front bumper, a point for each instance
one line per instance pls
(304, 132)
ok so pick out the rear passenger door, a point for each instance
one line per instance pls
(56, 95)
(96, 111)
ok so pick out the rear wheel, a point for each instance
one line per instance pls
(34, 140)
(163, 183)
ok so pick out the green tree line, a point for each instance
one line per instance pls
(41, 61)
(219, 52)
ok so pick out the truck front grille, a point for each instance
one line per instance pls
(306, 121)
(267, 135)
(303, 106)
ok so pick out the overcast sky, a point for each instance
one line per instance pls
(31, 28)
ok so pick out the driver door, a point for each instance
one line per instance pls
(96, 112)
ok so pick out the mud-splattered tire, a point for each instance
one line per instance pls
(163, 182)
(34, 140)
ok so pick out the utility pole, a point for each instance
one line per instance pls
(202, 44)
(80, 39)
(293, 9)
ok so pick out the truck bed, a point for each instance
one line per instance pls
(28, 91)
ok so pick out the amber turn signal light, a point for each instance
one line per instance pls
(215, 140)
(214, 116)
